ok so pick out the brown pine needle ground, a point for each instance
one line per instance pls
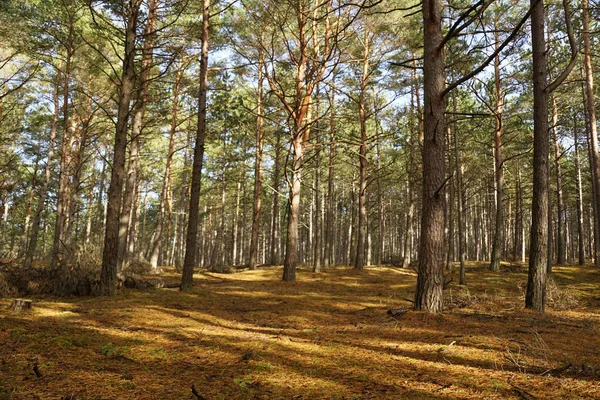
(250, 336)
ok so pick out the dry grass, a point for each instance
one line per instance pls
(250, 336)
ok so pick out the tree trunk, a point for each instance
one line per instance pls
(108, 276)
(192, 230)
(591, 112)
(580, 236)
(461, 201)
(431, 248)
(291, 245)
(498, 239)
(560, 233)
(37, 217)
(143, 81)
(538, 253)
(329, 221)
(63, 180)
(166, 203)
(275, 207)
(258, 165)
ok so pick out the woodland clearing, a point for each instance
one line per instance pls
(247, 335)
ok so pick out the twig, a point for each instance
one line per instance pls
(198, 395)
(37, 371)
(524, 394)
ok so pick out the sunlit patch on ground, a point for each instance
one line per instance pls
(250, 336)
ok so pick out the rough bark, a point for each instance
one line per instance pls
(143, 81)
(498, 239)
(192, 229)
(538, 253)
(431, 247)
(108, 276)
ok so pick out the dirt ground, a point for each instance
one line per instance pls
(250, 336)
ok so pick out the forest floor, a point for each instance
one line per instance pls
(248, 335)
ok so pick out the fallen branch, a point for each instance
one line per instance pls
(523, 394)
(396, 312)
(557, 370)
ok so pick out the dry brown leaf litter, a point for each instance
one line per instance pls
(250, 336)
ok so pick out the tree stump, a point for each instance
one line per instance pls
(20, 304)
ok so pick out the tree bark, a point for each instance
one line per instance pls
(498, 239)
(252, 261)
(431, 248)
(108, 275)
(580, 236)
(63, 180)
(274, 250)
(37, 217)
(538, 253)
(192, 230)
(166, 203)
(591, 111)
(560, 233)
(125, 224)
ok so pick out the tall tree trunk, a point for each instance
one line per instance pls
(538, 253)
(125, 224)
(291, 244)
(361, 232)
(580, 236)
(416, 119)
(329, 218)
(498, 239)
(37, 217)
(275, 207)
(560, 233)
(258, 164)
(192, 230)
(108, 276)
(317, 239)
(591, 112)
(430, 278)
(461, 200)
(166, 203)
(63, 180)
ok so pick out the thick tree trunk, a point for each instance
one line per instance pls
(191, 244)
(430, 278)
(125, 224)
(108, 276)
(538, 253)
(291, 245)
